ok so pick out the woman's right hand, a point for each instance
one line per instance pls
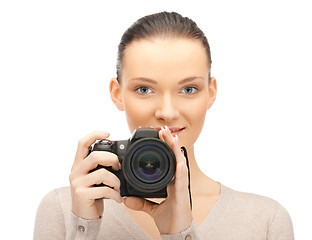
(87, 200)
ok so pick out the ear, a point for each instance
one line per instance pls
(115, 92)
(212, 92)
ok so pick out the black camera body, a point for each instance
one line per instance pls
(147, 163)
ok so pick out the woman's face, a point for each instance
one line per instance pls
(165, 82)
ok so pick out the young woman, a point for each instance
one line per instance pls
(163, 81)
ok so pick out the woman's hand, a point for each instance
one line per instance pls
(87, 200)
(174, 214)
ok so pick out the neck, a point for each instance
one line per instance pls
(195, 171)
(198, 178)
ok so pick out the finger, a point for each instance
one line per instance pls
(85, 142)
(100, 176)
(161, 137)
(173, 142)
(101, 192)
(103, 158)
(141, 204)
(180, 183)
(181, 180)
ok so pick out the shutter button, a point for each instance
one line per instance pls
(81, 228)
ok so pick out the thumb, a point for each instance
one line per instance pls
(140, 204)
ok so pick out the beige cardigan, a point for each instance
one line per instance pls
(236, 215)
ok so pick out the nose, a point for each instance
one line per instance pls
(166, 110)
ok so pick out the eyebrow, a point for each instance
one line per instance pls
(142, 79)
(148, 80)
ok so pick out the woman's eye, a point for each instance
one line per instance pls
(143, 90)
(189, 90)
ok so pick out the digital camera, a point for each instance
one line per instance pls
(147, 163)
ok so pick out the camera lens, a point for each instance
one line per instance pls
(149, 163)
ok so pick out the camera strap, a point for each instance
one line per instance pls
(183, 149)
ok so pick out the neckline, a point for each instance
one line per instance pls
(218, 209)
(216, 213)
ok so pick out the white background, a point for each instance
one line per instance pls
(56, 60)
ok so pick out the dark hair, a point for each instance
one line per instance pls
(165, 24)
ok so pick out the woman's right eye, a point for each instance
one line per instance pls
(144, 90)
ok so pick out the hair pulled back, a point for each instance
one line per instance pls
(163, 24)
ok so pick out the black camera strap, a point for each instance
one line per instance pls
(189, 178)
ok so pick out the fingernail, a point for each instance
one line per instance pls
(176, 138)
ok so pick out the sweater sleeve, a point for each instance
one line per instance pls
(83, 229)
(188, 234)
(50, 223)
(281, 227)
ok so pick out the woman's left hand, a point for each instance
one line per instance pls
(174, 214)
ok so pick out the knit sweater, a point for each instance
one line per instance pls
(235, 215)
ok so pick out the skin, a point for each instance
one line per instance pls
(164, 85)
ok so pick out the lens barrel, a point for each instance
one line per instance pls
(149, 165)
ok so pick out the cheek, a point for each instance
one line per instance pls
(137, 112)
(200, 114)
(195, 114)
(196, 111)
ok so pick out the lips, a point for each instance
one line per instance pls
(174, 130)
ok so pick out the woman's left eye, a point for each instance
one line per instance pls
(189, 90)
(144, 90)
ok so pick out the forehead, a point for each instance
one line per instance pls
(156, 57)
